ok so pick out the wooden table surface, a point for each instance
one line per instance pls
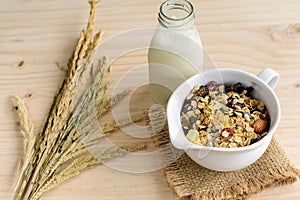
(248, 35)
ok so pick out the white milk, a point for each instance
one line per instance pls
(175, 54)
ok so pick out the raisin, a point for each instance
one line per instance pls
(237, 87)
(249, 90)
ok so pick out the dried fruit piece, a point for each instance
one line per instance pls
(212, 85)
(226, 121)
(249, 90)
(238, 88)
(193, 136)
(260, 125)
(227, 133)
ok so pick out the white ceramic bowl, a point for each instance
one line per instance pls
(217, 158)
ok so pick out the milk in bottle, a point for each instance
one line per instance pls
(175, 52)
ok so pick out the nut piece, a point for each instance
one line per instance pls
(260, 125)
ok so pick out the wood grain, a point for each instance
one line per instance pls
(248, 35)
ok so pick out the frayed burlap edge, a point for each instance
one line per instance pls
(280, 173)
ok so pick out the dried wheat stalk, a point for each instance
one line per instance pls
(60, 150)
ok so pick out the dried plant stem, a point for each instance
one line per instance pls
(115, 125)
(86, 162)
(59, 111)
(27, 131)
(61, 150)
(104, 105)
(63, 107)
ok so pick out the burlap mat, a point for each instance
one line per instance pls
(189, 181)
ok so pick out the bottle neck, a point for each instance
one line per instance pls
(176, 14)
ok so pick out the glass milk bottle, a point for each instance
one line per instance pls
(175, 52)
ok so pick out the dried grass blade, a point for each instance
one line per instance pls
(27, 131)
(86, 162)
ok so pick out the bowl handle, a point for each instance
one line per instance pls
(269, 76)
(179, 140)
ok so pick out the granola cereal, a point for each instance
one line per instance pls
(224, 116)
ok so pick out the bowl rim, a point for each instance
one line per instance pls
(190, 81)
